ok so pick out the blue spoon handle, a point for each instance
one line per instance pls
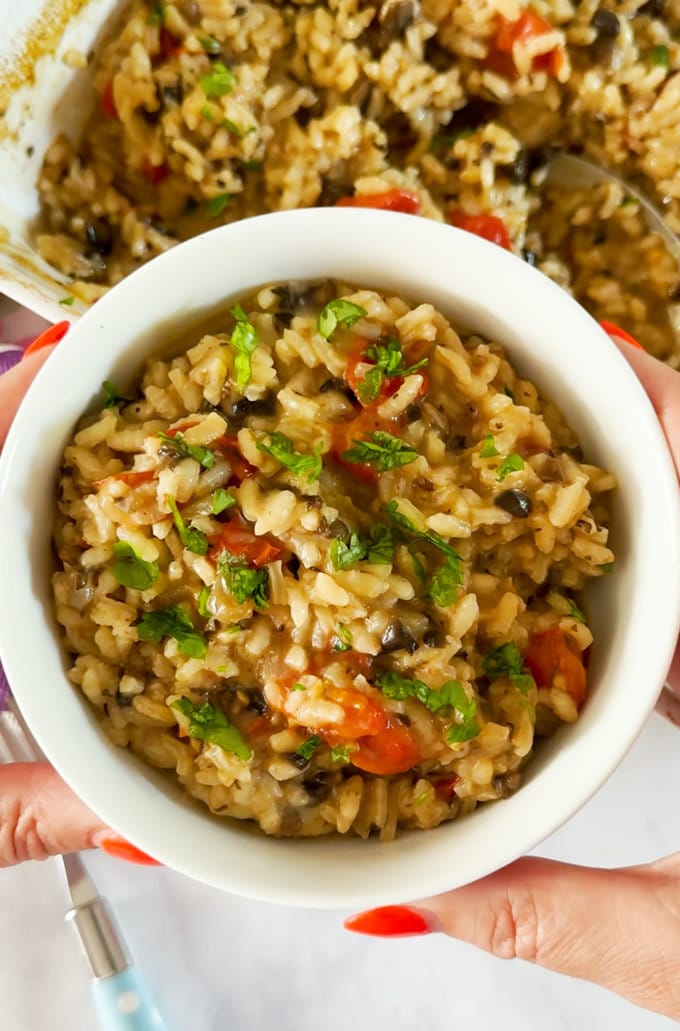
(124, 1003)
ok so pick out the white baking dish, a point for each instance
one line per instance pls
(47, 97)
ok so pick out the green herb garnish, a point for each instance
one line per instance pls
(156, 14)
(341, 753)
(207, 723)
(112, 396)
(192, 539)
(236, 130)
(510, 464)
(445, 582)
(628, 201)
(67, 301)
(202, 602)
(342, 641)
(172, 622)
(244, 583)
(449, 577)
(207, 113)
(659, 56)
(219, 81)
(398, 688)
(506, 661)
(203, 455)
(130, 570)
(488, 448)
(216, 205)
(449, 138)
(389, 362)
(309, 747)
(221, 500)
(210, 44)
(376, 547)
(244, 340)
(338, 312)
(607, 567)
(427, 536)
(253, 166)
(283, 450)
(575, 612)
(381, 450)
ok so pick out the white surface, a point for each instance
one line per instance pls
(615, 423)
(218, 963)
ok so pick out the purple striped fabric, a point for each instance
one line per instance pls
(8, 357)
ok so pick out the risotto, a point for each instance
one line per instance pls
(208, 111)
(324, 564)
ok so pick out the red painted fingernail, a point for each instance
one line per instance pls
(392, 922)
(115, 845)
(616, 331)
(52, 335)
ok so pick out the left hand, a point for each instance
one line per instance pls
(39, 815)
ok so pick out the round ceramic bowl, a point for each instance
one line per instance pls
(552, 341)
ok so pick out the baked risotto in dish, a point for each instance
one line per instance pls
(324, 565)
(209, 111)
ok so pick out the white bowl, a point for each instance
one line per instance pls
(552, 341)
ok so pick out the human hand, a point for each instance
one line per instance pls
(39, 815)
(617, 928)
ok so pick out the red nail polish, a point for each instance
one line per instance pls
(615, 331)
(118, 847)
(52, 335)
(392, 922)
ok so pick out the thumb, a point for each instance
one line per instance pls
(617, 928)
(40, 816)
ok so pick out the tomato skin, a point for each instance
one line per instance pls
(363, 717)
(168, 45)
(181, 427)
(238, 540)
(445, 788)
(241, 468)
(489, 227)
(521, 30)
(131, 479)
(154, 173)
(549, 655)
(392, 750)
(391, 200)
(107, 102)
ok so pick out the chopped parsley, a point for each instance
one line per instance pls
(575, 612)
(172, 622)
(244, 583)
(449, 577)
(341, 753)
(376, 547)
(207, 723)
(283, 450)
(221, 500)
(112, 395)
(309, 747)
(67, 301)
(244, 340)
(607, 567)
(253, 166)
(130, 570)
(488, 448)
(628, 201)
(219, 81)
(447, 139)
(506, 661)
(511, 464)
(389, 362)
(381, 450)
(298, 687)
(156, 14)
(398, 688)
(207, 113)
(659, 56)
(203, 455)
(445, 582)
(210, 44)
(236, 130)
(338, 312)
(192, 539)
(202, 602)
(342, 641)
(216, 205)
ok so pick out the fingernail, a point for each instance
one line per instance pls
(615, 331)
(52, 335)
(393, 922)
(116, 846)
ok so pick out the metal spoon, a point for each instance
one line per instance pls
(571, 172)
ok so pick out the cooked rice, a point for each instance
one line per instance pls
(355, 689)
(318, 103)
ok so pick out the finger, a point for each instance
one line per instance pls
(617, 928)
(13, 386)
(662, 384)
(40, 816)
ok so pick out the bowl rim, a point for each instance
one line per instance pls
(420, 865)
